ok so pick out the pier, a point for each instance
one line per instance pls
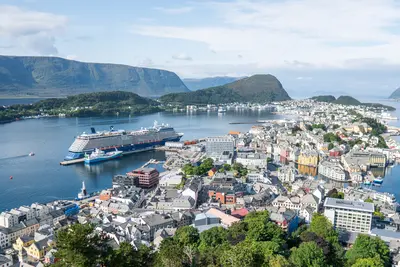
(71, 162)
(151, 161)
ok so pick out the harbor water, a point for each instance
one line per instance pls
(40, 178)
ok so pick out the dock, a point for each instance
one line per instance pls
(71, 162)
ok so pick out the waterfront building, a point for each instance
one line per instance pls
(332, 170)
(351, 216)
(148, 177)
(220, 144)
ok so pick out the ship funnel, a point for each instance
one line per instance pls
(93, 130)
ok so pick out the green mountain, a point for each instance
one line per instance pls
(395, 94)
(347, 100)
(258, 88)
(197, 84)
(85, 105)
(324, 98)
(55, 77)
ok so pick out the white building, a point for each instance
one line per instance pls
(351, 216)
(332, 170)
(257, 160)
(8, 220)
(219, 144)
(287, 174)
(384, 197)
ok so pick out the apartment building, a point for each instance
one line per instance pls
(350, 216)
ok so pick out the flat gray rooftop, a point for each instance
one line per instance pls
(348, 204)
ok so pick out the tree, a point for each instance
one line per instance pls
(79, 246)
(187, 235)
(339, 195)
(306, 255)
(227, 167)
(237, 232)
(369, 262)
(368, 247)
(170, 253)
(279, 261)
(212, 238)
(264, 251)
(323, 227)
(330, 146)
(241, 255)
(125, 255)
(369, 200)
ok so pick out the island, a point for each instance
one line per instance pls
(83, 105)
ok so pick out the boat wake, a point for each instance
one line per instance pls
(14, 157)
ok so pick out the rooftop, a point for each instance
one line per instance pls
(348, 204)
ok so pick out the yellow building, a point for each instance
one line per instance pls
(309, 158)
(38, 249)
(23, 242)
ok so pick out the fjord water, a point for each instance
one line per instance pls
(41, 179)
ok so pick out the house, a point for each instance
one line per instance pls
(292, 203)
(38, 249)
(6, 261)
(152, 223)
(287, 174)
(162, 234)
(204, 221)
(239, 213)
(306, 213)
(287, 220)
(226, 219)
(49, 258)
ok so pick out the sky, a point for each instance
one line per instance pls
(341, 46)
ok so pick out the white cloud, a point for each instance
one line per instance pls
(304, 78)
(174, 11)
(295, 33)
(72, 57)
(31, 29)
(182, 56)
(147, 62)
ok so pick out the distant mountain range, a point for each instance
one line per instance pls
(258, 88)
(395, 94)
(56, 77)
(197, 84)
(348, 101)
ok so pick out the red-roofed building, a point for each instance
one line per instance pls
(240, 213)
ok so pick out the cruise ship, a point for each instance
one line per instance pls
(125, 141)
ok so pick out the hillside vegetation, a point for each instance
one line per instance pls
(57, 77)
(350, 101)
(83, 105)
(257, 88)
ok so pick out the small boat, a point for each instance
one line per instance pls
(99, 156)
(367, 183)
(11, 177)
(31, 154)
(378, 180)
(221, 110)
